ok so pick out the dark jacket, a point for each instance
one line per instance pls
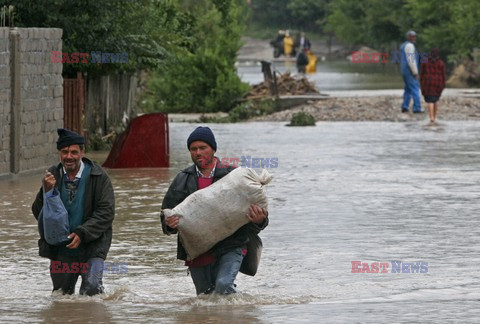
(302, 60)
(95, 231)
(306, 43)
(186, 183)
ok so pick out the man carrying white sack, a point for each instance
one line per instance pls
(217, 269)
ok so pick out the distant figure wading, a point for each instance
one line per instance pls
(432, 80)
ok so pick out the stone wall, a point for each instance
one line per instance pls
(5, 106)
(31, 98)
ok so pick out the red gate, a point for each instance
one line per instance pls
(144, 144)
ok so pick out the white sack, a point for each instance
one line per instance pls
(212, 214)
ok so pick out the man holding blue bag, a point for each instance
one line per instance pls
(76, 237)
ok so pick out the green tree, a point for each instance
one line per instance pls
(451, 26)
(308, 14)
(375, 23)
(346, 20)
(465, 26)
(271, 13)
(202, 78)
(145, 29)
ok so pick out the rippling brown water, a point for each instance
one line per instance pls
(341, 192)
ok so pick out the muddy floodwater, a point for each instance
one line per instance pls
(332, 75)
(342, 192)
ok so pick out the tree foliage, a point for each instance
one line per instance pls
(376, 23)
(290, 14)
(145, 29)
(202, 78)
(452, 26)
(309, 14)
(191, 45)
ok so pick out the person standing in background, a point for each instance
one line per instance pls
(302, 42)
(312, 62)
(432, 81)
(302, 61)
(409, 67)
(288, 44)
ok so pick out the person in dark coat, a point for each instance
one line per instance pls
(277, 44)
(87, 194)
(217, 269)
(302, 42)
(432, 82)
(302, 60)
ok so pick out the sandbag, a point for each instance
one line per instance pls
(212, 214)
(53, 224)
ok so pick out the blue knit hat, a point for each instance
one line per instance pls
(202, 134)
(67, 137)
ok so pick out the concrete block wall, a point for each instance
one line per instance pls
(5, 105)
(38, 102)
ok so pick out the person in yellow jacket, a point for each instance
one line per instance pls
(287, 44)
(312, 62)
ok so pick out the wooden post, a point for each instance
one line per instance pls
(269, 77)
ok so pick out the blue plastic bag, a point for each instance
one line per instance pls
(53, 224)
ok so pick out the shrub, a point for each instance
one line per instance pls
(302, 119)
(202, 78)
(244, 111)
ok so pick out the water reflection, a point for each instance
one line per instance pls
(333, 75)
(219, 314)
(76, 310)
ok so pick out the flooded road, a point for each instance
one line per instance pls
(333, 75)
(342, 192)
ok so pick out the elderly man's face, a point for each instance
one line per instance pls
(70, 157)
(412, 38)
(201, 153)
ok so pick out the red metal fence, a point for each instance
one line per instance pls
(145, 144)
(74, 96)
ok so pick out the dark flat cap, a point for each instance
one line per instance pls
(67, 137)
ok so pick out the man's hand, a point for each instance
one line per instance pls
(256, 214)
(75, 242)
(49, 181)
(172, 221)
